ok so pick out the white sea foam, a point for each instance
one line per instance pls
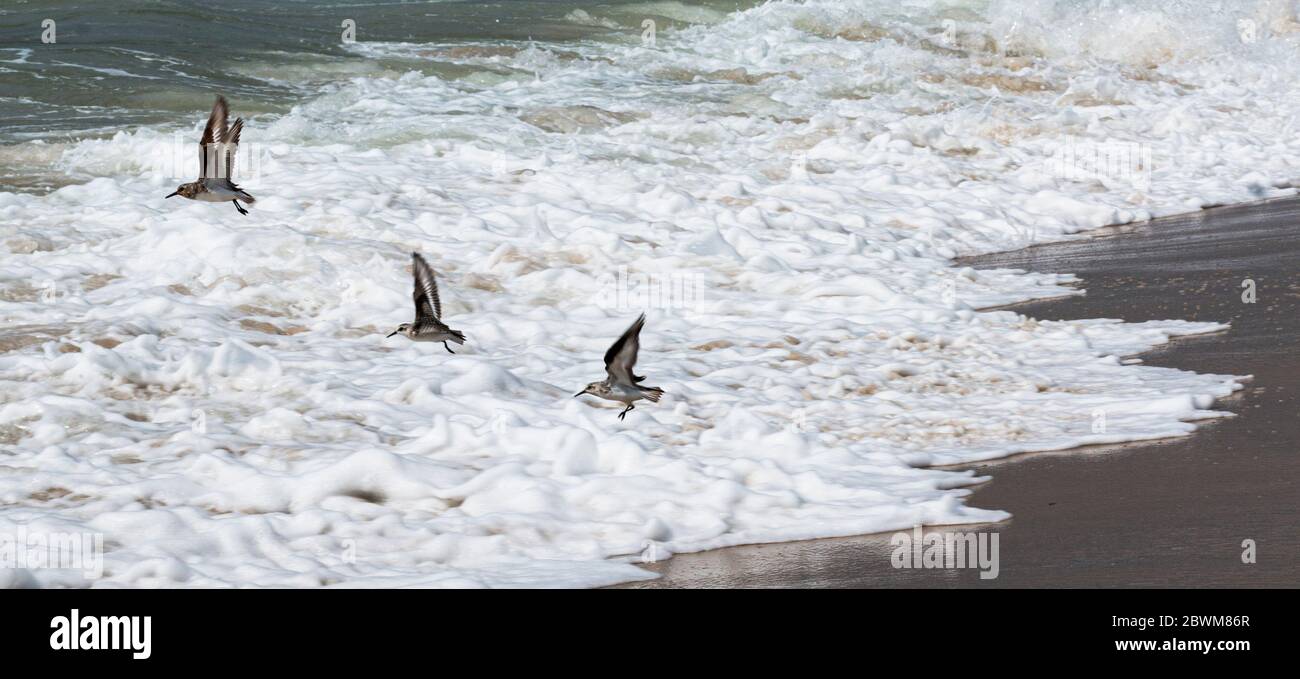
(215, 394)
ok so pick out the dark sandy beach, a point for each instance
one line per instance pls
(1172, 513)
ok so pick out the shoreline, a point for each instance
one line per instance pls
(1165, 512)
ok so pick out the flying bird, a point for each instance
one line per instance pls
(428, 325)
(622, 384)
(217, 162)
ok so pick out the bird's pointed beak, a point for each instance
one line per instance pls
(173, 193)
(391, 334)
(580, 393)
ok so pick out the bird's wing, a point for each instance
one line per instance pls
(230, 143)
(214, 134)
(620, 359)
(427, 304)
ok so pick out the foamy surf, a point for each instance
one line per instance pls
(215, 395)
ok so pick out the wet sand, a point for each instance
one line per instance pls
(1171, 513)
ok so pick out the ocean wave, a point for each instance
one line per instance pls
(782, 189)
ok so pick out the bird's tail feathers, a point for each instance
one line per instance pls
(457, 336)
(652, 393)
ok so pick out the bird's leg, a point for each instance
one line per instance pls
(444, 344)
(242, 211)
(624, 413)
